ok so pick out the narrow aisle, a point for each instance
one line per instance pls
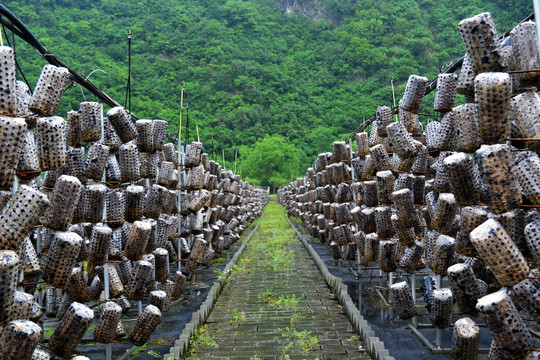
(277, 305)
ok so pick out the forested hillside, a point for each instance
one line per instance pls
(251, 70)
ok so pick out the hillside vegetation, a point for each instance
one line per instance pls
(252, 71)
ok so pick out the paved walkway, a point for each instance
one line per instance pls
(277, 305)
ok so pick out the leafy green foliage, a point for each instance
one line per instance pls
(251, 71)
(272, 161)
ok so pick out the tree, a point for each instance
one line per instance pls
(273, 161)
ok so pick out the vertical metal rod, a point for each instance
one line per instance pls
(39, 239)
(102, 122)
(108, 351)
(413, 289)
(108, 347)
(223, 154)
(438, 332)
(235, 160)
(21, 278)
(186, 192)
(197, 128)
(14, 189)
(537, 21)
(390, 283)
(83, 232)
(360, 296)
(139, 307)
(179, 193)
(106, 279)
(353, 176)
(394, 97)
(438, 338)
(15, 184)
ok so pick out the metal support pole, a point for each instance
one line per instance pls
(353, 176)
(179, 193)
(108, 351)
(536, 4)
(438, 332)
(413, 290)
(235, 160)
(390, 283)
(108, 347)
(360, 296)
(14, 189)
(39, 239)
(15, 184)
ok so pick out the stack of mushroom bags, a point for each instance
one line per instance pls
(108, 198)
(216, 208)
(460, 200)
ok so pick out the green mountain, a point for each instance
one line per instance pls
(304, 71)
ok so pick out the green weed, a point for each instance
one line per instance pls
(223, 276)
(139, 349)
(155, 354)
(201, 339)
(301, 339)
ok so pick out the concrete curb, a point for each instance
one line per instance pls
(181, 346)
(373, 345)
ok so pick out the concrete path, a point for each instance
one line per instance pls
(277, 305)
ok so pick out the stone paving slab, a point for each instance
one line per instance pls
(263, 311)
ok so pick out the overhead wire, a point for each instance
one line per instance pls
(15, 53)
(127, 103)
(18, 28)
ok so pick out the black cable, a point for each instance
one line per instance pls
(15, 53)
(128, 85)
(22, 31)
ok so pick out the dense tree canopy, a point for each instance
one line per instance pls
(253, 72)
(271, 161)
